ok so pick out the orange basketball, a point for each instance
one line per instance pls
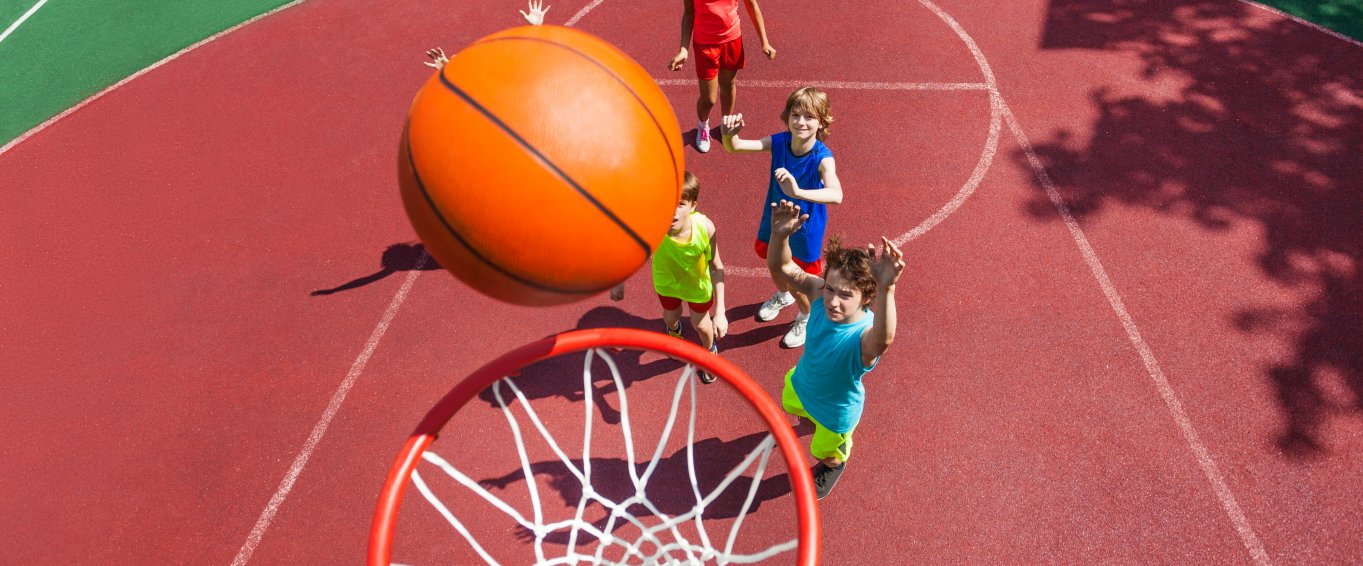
(541, 165)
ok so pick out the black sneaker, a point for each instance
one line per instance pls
(674, 332)
(825, 478)
(705, 376)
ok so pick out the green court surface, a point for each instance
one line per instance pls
(1343, 16)
(68, 50)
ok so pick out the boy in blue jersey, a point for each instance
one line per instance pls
(803, 171)
(852, 322)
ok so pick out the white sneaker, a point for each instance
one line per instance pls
(795, 337)
(702, 139)
(773, 306)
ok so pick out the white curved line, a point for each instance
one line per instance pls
(21, 19)
(991, 144)
(129, 78)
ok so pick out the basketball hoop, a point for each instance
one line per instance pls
(650, 547)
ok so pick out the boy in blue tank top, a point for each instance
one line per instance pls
(851, 323)
(802, 171)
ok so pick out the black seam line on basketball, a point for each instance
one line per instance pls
(416, 174)
(648, 250)
(617, 78)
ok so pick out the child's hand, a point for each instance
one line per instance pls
(537, 11)
(786, 219)
(438, 58)
(677, 61)
(888, 266)
(787, 181)
(769, 50)
(721, 325)
(731, 125)
(618, 292)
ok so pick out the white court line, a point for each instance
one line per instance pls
(129, 78)
(1318, 27)
(851, 85)
(1200, 451)
(21, 19)
(323, 423)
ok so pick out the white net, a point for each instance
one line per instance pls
(614, 521)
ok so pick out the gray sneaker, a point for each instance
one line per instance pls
(773, 306)
(825, 478)
(795, 337)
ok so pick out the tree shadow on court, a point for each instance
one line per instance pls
(561, 376)
(670, 488)
(1247, 119)
(398, 257)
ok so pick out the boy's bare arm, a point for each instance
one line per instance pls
(729, 129)
(687, 23)
(785, 220)
(717, 278)
(886, 268)
(755, 12)
(831, 193)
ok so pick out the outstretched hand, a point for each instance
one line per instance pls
(731, 125)
(537, 11)
(786, 219)
(438, 58)
(786, 181)
(886, 267)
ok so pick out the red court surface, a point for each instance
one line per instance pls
(1129, 332)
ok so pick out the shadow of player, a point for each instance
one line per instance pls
(398, 257)
(671, 492)
(561, 376)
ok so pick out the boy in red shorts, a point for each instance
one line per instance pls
(712, 29)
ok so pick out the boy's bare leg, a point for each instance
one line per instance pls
(831, 461)
(709, 94)
(705, 326)
(728, 90)
(672, 317)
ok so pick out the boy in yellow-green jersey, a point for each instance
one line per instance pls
(686, 267)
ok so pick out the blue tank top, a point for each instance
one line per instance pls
(806, 244)
(828, 376)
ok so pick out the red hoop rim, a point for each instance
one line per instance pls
(399, 475)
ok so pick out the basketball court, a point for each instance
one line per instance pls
(1129, 329)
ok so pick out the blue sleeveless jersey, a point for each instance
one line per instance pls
(806, 244)
(828, 376)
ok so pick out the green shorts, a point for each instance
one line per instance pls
(826, 443)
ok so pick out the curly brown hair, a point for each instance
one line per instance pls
(854, 264)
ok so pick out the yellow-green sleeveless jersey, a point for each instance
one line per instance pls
(682, 269)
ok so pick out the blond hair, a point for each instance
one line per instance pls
(812, 101)
(690, 188)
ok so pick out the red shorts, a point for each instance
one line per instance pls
(673, 303)
(815, 268)
(711, 58)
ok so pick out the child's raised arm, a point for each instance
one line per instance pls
(729, 129)
(886, 269)
(785, 220)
